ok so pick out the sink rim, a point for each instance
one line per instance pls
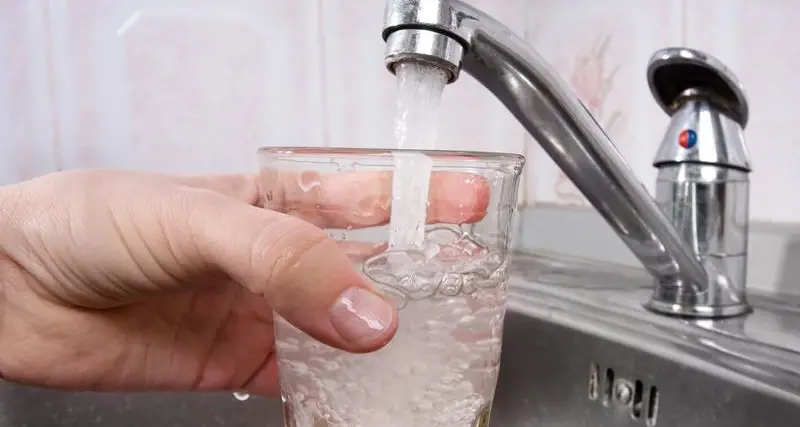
(740, 349)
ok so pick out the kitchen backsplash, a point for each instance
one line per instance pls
(193, 86)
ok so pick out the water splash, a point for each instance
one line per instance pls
(420, 88)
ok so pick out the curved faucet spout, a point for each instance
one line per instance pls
(550, 111)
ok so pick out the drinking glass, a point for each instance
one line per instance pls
(440, 369)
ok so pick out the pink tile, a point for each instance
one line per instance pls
(472, 118)
(360, 94)
(187, 86)
(27, 113)
(195, 84)
(601, 49)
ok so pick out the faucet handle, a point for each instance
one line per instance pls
(707, 106)
(679, 74)
(703, 184)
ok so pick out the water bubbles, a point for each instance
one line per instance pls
(467, 319)
(314, 346)
(450, 380)
(436, 372)
(322, 364)
(445, 350)
(449, 263)
(423, 405)
(433, 325)
(316, 362)
(241, 396)
(470, 284)
(494, 260)
(451, 285)
(466, 245)
(289, 345)
(297, 367)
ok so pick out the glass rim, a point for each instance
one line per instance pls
(306, 151)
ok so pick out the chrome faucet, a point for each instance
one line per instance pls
(703, 166)
(694, 274)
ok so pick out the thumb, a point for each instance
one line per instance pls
(304, 276)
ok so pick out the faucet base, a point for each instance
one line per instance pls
(698, 311)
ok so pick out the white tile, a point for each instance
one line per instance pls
(472, 118)
(601, 49)
(360, 94)
(185, 85)
(27, 116)
(758, 41)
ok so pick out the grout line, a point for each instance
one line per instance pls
(323, 74)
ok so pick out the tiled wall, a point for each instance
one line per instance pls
(198, 85)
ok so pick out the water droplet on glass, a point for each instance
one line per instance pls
(241, 395)
(467, 319)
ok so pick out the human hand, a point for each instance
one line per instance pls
(131, 281)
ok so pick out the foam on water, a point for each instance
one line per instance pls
(449, 263)
(420, 90)
(440, 370)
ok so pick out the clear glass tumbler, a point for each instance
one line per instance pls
(440, 369)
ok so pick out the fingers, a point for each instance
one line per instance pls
(349, 199)
(305, 277)
(363, 199)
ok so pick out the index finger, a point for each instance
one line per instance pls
(364, 199)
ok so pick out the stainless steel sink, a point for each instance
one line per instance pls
(579, 350)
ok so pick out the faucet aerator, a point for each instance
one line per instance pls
(424, 45)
